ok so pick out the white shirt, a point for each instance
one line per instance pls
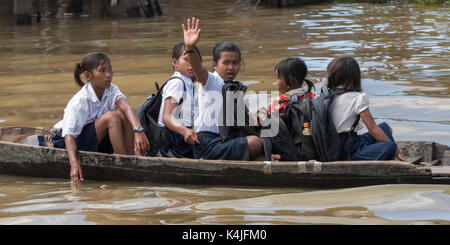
(209, 104)
(85, 107)
(346, 107)
(174, 89)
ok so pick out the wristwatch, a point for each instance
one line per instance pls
(138, 129)
(189, 51)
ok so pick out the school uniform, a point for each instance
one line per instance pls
(80, 115)
(207, 125)
(344, 110)
(175, 89)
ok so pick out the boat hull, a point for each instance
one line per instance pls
(35, 161)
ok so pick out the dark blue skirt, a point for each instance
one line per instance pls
(365, 147)
(86, 141)
(179, 147)
(212, 147)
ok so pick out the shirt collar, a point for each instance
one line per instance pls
(185, 78)
(301, 90)
(93, 96)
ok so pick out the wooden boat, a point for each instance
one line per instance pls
(285, 3)
(38, 161)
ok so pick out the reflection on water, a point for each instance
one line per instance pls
(402, 49)
(36, 201)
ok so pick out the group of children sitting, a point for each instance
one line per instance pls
(98, 117)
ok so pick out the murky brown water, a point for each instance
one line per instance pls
(403, 51)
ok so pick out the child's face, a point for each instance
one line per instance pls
(183, 66)
(228, 65)
(281, 84)
(101, 77)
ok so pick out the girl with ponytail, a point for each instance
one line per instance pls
(98, 118)
(291, 73)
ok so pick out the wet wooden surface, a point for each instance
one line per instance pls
(50, 162)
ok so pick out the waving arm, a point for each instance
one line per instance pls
(191, 38)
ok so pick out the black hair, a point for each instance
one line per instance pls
(294, 72)
(179, 49)
(223, 47)
(89, 62)
(344, 72)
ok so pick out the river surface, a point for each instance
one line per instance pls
(403, 51)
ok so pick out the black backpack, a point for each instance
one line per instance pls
(324, 143)
(282, 143)
(235, 130)
(148, 113)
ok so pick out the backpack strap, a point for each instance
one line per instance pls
(184, 87)
(157, 86)
(352, 129)
(350, 134)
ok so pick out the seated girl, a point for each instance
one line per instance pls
(98, 118)
(291, 73)
(182, 136)
(378, 143)
(226, 64)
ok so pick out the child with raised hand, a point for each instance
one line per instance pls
(98, 118)
(378, 144)
(182, 136)
(226, 64)
(291, 73)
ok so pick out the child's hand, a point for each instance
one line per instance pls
(141, 144)
(76, 175)
(192, 33)
(190, 136)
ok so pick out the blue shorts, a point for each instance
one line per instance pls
(86, 141)
(212, 147)
(366, 147)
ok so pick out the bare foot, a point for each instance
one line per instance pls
(275, 157)
(401, 157)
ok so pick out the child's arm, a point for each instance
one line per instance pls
(372, 126)
(76, 175)
(377, 132)
(191, 37)
(190, 136)
(141, 143)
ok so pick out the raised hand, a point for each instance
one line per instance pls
(191, 33)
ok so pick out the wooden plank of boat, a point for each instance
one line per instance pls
(50, 162)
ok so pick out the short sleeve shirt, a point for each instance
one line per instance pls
(346, 107)
(85, 107)
(174, 89)
(209, 104)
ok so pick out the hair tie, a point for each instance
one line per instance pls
(79, 65)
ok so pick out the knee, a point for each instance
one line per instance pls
(113, 118)
(254, 144)
(389, 149)
(385, 126)
(122, 117)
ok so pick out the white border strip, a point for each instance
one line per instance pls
(317, 167)
(302, 167)
(268, 167)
